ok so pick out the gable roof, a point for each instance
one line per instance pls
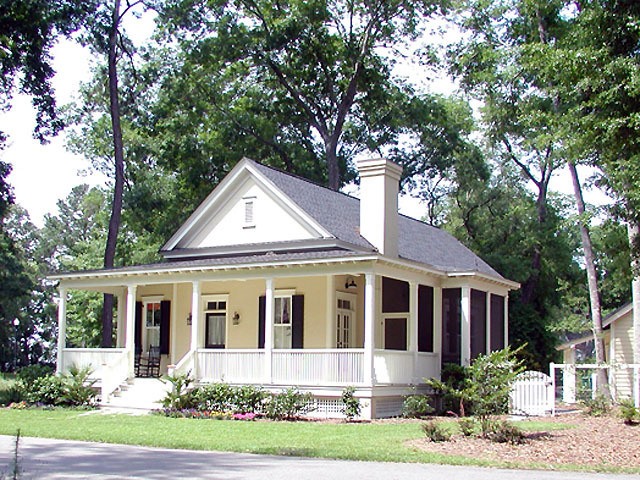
(338, 214)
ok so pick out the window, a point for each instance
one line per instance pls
(215, 318)
(282, 322)
(151, 330)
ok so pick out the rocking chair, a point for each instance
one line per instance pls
(150, 366)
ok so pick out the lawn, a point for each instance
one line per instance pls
(377, 441)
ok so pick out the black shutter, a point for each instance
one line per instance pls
(297, 321)
(137, 336)
(165, 322)
(262, 304)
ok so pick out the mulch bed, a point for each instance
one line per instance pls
(594, 442)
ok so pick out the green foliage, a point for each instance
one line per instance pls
(501, 431)
(417, 406)
(468, 426)
(435, 432)
(448, 391)
(350, 404)
(30, 373)
(178, 398)
(49, 390)
(629, 413)
(598, 406)
(74, 388)
(287, 405)
(489, 383)
(12, 392)
(216, 397)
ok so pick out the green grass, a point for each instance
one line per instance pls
(355, 441)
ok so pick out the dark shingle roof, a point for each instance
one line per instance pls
(339, 214)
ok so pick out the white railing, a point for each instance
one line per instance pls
(94, 358)
(400, 367)
(113, 374)
(233, 366)
(184, 366)
(340, 366)
(427, 366)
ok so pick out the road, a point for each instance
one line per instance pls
(45, 459)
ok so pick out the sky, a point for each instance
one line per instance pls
(43, 174)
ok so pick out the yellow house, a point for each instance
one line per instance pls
(279, 282)
(618, 340)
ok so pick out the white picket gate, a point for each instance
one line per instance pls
(532, 394)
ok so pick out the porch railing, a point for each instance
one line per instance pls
(318, 367)
(401, 367)
(234, 366)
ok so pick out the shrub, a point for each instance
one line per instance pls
(351, 404)
(287, 405)
(501, 431)
(78, 387)
(47, 390)
(31, 373)
(435, 432)
(598, 406)
(629, 412)
(247, 399)
(416, 406)
(214, 397)
(179, 397)
(448, 391)
(11, 392)
(468, 426)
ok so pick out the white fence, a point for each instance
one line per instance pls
(532, 393)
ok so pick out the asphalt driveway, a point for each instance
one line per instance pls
(47, 459)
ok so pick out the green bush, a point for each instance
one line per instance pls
(180, 397)
(351, 404)
(598, 406)
(247, 399)
(12, 392)
(468, 426)
(49, 390)
(31, 373)
(214, 397)
(78, 387)
(629, 412)
(501, 431)
(447, 392)
(435, 432)
(416, 406)
(288, 405)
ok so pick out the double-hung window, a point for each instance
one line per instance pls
(215, 317)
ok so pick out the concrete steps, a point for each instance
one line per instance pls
(138, 394)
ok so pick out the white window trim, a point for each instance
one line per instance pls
(249, 200)
(391, 316)
(215, 297)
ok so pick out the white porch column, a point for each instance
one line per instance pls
(129, 338)
(195, 324)
(268, 330)
(330, 341)
(369, 328)
(62, 328)
(121, 328)
(465, 326)
(413, 325)
(174, 323)
(506, 320)
(487, 325)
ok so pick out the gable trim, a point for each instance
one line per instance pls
(231, 182)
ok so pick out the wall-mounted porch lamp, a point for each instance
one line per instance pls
(236, 318)
(350, 283)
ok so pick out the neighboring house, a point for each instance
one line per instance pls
(279, 282)
(618, 341)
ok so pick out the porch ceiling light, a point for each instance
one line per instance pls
(189, 319)
(350, 283)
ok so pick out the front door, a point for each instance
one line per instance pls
(345, 317)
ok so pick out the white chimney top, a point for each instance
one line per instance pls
(379, 184)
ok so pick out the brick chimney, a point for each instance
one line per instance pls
(379, 184)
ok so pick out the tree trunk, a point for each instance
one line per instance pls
(333, 169)
(592, 282)
(118, 151)
(530, 285)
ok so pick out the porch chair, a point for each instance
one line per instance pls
(150, 367)
(137, 357)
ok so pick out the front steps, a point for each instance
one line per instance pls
(138, 395)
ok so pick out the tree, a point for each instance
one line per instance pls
(29, 30)
(315, 64)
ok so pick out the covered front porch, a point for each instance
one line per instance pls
(319, 327)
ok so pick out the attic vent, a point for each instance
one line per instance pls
(249, 220)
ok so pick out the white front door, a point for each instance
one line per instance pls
(345, 318)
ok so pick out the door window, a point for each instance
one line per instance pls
(345, 315)
(282, 323)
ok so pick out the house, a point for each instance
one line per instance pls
(279, 282)
(619, 354)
